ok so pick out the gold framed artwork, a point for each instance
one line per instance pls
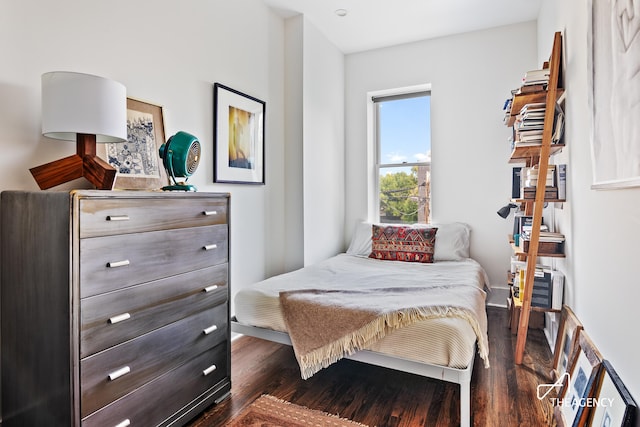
(238, 134)
(137, 160)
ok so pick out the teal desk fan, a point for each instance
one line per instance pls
(180, 156)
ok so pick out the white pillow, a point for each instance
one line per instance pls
(361, 240)
(452, 240)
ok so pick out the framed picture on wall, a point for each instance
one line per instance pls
(137, 160)
(613, 56)
(238, 134)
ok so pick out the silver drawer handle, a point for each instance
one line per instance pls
(211, 288)
(115, 264)
(125, 423)
(120, 372)
(210, 329)
(209, 247)
(209, 213)
(119, 318)
(209, 370)
(118, 218)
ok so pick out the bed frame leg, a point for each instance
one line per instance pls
(465, 404)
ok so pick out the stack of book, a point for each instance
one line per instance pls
(529, 183)
(531, 176)
(548, 243)
(536, 77)
(529, 125)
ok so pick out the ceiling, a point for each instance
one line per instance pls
(371, 24)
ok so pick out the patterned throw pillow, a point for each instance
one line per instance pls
(403, 243)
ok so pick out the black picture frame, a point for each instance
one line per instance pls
(239, 137)
(617, 408)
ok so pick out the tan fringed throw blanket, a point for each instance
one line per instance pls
(327, 325)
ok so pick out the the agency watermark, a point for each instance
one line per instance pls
(571, 400)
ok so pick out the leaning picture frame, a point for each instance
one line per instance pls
(137, 160)
(572, 405)
(238, 134)
(565, 341)
(616, 406)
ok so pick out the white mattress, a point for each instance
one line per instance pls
(443, 341)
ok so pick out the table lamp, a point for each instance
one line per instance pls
(86, 109)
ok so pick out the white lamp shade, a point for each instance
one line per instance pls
(74, 103)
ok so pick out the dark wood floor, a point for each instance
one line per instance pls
(503, 395)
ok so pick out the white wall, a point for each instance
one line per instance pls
(294, 118)
(471, 75)
(315, 144)
(601, 226)
(168, 53)
(323, 156)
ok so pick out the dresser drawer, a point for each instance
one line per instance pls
(114, 317)
(114, 262)
(105, 217)
(170, 393)
(113, 373)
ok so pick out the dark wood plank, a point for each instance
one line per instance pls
(503, 395)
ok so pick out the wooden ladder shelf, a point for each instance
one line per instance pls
(538, 204)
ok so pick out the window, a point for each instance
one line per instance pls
(403, 157)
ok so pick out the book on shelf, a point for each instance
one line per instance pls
(544, 234)
(515, 182)
(535, 77)
(528, 137)
(530, 88)
(520, 222)
(550, 193)
(533, 106)
(548, 287)
(545, 248)
(531, 124)
(533, 115)
(530, 176)
(558, 126)
(517, 144)
(562, 181)
(526, 229)
(550, 236)
(557, 280)
(531, 118)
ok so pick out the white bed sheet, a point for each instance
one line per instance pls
(443, 341)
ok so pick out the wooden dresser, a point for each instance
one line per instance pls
(114, 307)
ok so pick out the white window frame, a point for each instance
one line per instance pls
(373, 146)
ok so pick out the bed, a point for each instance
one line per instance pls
(427, 318)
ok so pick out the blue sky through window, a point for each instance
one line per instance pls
(405, 130)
